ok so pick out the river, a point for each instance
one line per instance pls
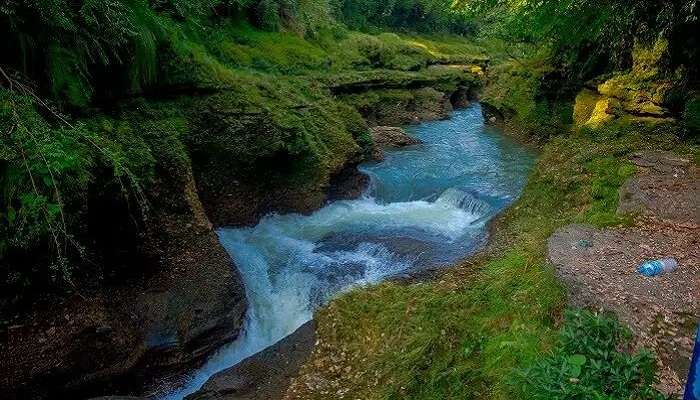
(427, 206)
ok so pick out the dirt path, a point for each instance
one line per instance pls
(598, 266)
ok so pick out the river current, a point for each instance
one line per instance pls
(427, 206)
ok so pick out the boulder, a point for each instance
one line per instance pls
(263, 376)
(392, 136)
(389, 137)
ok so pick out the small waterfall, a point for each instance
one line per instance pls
(465, 201)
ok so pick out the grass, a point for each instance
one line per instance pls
(485, 329)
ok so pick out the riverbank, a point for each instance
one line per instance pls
(493, 327)
(598, 266)
(133, 129)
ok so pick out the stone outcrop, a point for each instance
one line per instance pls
(383, 101)
(186, 302)
(643, 93)
(401, 106)
(176, 296)
(389, 137)
(265, 375)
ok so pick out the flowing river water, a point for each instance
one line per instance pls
(427, 206)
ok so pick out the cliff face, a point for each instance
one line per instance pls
(644, 93)
(652, 95)
(183, 299)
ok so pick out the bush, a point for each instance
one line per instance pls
(591, 360)
(41, 168)
(691, 116)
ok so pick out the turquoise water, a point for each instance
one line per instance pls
(427, 206)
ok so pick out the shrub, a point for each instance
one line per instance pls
(691, 116)
(591, 360)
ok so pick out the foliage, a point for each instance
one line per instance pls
(521, 95)
(438, 340)
(426, 16)
(39, 166)
(591, 360)
(258, 104)
(262, 101)
(57, 42)
(74, 49)
(691, 115)
(588, 37)
(46, 168)
(610, 173)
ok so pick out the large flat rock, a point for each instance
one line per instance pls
(598, 266)
(667, 187)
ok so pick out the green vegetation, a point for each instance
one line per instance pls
(129, 91)
(481, 330)
(587, 363)
(427, 16)
(100, 101)
(588, 37)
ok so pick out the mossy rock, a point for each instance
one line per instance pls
(650, 60)
(401, 106)
(584, 106)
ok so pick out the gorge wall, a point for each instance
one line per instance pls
(212, 147)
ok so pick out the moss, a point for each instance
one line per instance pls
(650, 61)
(518, 95)
(241, 46)
(67, 79)
(399, 106)
(604, 111)
(446, 49)
(218, 96)
(263, 119)
(609, 174)
(584, 106)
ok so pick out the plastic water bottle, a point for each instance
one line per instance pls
(657, 267)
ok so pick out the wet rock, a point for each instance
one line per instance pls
(492, 115)
(348, 184)
(462, 97)
(402, 106)
(392, 136)
(264, 376)
(389, 137)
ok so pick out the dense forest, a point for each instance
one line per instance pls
(125, 122)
